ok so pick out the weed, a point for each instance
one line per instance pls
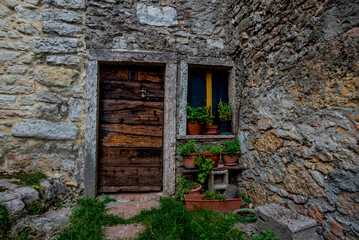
(4, 220)
(36, 207)
(213, 195)
(266, 235)
(245, 197)
(31, 178)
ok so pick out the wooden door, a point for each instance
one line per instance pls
(130, 128)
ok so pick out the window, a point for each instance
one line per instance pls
(200, 76)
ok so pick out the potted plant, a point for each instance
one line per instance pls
(230, 152)
(225, 117)
(212, 152)
(205, 166)
(213, 201)
(195, 117)
(187, 187)
(209, 119)
(189, 152)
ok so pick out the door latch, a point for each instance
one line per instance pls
(147, 96)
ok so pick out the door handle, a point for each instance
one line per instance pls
(146, 96)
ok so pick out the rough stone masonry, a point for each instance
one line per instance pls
(297, 67)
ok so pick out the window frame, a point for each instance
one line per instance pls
(207, 63)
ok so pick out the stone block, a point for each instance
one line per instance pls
(75, 109)
(61, 15)
(156, 16)
(7, 99)
(63, 29)
(28, 14)
(53, 45)
(48, 97)
(286, 224)
(26, 101)
(73, 4)
(218, 180)
(15, 90)
(7, 56)
(30, 30)
(55, 76)
(62, 60)
(45, 129)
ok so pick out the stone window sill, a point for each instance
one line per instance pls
(205, 137)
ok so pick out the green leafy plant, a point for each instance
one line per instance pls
(225, 111)
(205, 165)
(216, 149)
(189, 148)
(196, 114)
(266, 235)
(4, 220)
(213, 195)
(184, 187)
(245, 197)
(231, 147)
(208, 116)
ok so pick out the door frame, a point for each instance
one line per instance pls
(92, 112)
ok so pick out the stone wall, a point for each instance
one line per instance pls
(189, 28)
(297, 81)
(297, 71)
(41, 88)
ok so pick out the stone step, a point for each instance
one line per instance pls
(286, 224)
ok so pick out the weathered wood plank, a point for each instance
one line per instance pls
(129, 90)
(131, 112)
(149, 74)
(139, 130)
(130, 176)
(114, 189)
(129, 157)
(126, 140)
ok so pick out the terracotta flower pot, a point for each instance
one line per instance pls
(188, 161)
(229, 160)
(214, 157)
(196, 190)
(194, 128)
(195, 201)
(212, 130)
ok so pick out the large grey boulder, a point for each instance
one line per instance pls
(286, 224)
(13, 202)
(28, 195)
(48, 191)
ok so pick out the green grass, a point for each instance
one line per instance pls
(4, 221)
(170, 221)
